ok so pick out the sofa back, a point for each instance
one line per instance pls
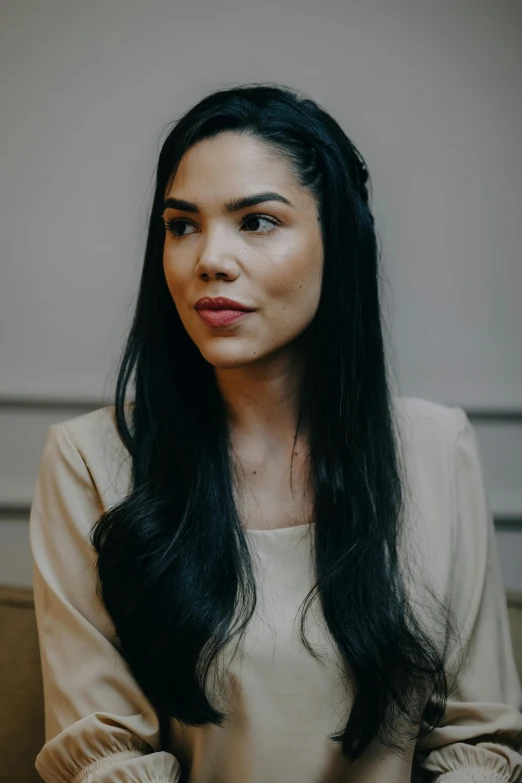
(21, 697)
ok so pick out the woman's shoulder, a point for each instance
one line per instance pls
(427, 438)
(93, 422)
(427, 415)
(94, 437)
(427, 430)
(444, 486)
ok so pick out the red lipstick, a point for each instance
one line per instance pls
(220, 303)
(220, 311)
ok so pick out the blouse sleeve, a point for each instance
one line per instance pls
(99, 727)
(480, 736)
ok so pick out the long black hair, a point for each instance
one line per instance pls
(174, 567)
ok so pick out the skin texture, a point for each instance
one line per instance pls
(276, 269)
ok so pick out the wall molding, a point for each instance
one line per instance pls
(13, 512)
(38, 404)
(507, 523)
(494, 414)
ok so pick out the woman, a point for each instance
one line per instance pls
(297, 572)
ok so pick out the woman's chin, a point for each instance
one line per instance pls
(229, 360)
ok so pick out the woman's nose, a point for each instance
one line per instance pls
(216, 258)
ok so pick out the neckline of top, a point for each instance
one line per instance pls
(279, 530)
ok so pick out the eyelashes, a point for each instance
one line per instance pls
(173, 224)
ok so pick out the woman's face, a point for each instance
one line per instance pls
(268, 256)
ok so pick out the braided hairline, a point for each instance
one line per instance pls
(361, 170)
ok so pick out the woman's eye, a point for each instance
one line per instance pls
(260, 218)
(175, 227)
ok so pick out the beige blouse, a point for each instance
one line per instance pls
(99, 727)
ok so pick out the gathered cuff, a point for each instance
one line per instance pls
(106, 762)
(97, 750)
(472, 775)
(132, 767)
(485, 762)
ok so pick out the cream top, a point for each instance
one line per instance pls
(99, 727)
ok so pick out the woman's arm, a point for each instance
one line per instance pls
(480, 736)
(99, 727)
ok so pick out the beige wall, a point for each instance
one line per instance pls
(429, 92)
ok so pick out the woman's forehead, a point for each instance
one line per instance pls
(236, 162)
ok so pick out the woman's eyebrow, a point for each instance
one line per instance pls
(230, 206)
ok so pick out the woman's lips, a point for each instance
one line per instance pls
(221, 317)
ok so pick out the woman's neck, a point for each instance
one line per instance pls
(262, 402)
